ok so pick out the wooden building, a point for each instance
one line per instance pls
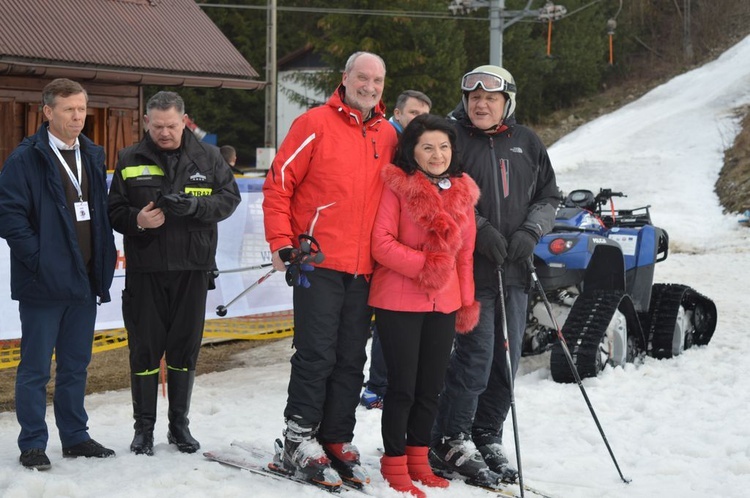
(113, 48)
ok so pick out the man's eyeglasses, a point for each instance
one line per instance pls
(490, 82)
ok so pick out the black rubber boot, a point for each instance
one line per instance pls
(145, 389)
(179, 390)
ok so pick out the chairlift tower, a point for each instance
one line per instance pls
(501, 18)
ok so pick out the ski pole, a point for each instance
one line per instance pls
(216, 272)
(572, 365)
(309, 252)
(510, 380)
(221, 310)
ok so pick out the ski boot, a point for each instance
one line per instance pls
(345, 459)
(301, 456)
(457, 455)
(490, 445)
(371, 400)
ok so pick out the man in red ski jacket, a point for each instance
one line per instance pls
(325, 183)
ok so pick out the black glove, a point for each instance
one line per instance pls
(492, 244)
(522, 244)
(179, 204)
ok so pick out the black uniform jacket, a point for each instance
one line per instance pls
(181, 243)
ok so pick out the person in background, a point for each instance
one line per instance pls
(325, 183)
(53, 215)
(422, 289)
(167, 196)
(409, 104)
(230, 156)
(517, 206)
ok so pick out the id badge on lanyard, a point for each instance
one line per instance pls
(81, 207)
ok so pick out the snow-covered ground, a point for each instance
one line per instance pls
(678, 428)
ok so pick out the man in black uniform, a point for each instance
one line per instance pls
(168, 193)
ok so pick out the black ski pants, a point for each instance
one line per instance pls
(416, 347)
(331, 328)
(164, 312)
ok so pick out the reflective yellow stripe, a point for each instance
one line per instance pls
(148, 372)
(169, 367)
(141, 170)
(198, 191)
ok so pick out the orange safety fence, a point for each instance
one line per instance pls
(254, 327)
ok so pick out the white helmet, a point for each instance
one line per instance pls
(492, 79)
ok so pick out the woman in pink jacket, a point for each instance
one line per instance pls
(422, 289)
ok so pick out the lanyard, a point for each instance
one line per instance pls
(72, 177)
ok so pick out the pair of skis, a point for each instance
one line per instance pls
(255, 460)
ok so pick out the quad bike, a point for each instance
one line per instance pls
(597, 269)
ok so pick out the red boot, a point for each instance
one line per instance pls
(420, 470)
(396, 474)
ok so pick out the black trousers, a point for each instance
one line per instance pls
(164, 312)
(331, 328)
(416, 347)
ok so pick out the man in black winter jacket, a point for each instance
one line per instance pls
(519, 197)
(167, 196)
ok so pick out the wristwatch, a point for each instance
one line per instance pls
(140, 228)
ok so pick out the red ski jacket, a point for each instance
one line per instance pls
(325, 182)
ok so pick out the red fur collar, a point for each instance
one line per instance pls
(439, 213)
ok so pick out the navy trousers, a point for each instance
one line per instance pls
(477, 392)
(69, 331)
(378, 379)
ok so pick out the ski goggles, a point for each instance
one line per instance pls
(490, 82)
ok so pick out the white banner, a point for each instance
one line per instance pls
(241, 244)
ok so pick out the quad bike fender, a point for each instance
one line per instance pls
(606, 269)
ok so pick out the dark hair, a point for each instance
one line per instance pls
(228, 152)
(408, 141)
(61, 87)
(411, 94)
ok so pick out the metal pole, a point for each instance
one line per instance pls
(270, 132)
(509, 366)
(496, 32)
(687, 37)
(571, 363)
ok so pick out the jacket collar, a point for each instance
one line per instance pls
(40, 140)
(460, 114)
(336, 100)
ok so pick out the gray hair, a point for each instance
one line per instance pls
(163, 101)
(352, 58)
(412, 94)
